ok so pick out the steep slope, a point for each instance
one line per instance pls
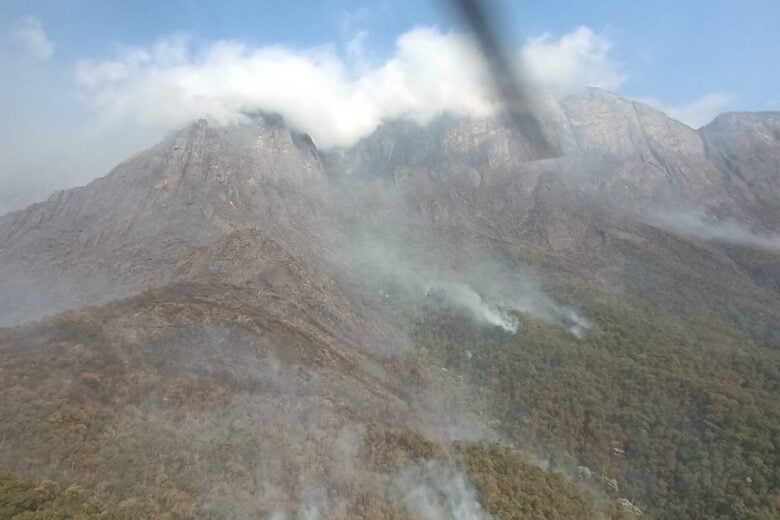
(747, 147)
(215, 401)
(656, 297)
(281, 330)
(132, 228)
(255, 379)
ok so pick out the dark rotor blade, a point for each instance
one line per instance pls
(511, 89)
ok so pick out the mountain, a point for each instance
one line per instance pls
(235, 323)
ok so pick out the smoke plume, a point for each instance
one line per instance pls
(484, 289)
(728, 230)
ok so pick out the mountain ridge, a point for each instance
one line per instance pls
(187, 184)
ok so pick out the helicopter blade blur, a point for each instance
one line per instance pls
(513, 91)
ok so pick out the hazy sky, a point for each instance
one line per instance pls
(89, 82)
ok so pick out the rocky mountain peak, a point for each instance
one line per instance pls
(199, 185)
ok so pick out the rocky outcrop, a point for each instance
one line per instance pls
(627, 506)
(584, 473)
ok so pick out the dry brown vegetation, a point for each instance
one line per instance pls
(179, 403)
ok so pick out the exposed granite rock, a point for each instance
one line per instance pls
(584, 473)
(629, 507)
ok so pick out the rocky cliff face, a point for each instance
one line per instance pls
(744, 146)
(134, 228)
(624, 151)
(139, 226)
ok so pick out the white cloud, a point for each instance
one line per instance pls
(30, 37)
(577, 59)
(335, 99)
(169, 84)
(698, 112)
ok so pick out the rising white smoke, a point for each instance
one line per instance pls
(697, 224)
(462, 296)
(486, 290)
(433, 491)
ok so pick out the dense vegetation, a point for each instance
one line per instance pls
(509, 486)
(669, 403)
(687, 428)
(87, 434)
(24, 499)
